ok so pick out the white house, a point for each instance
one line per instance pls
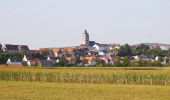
(28, 63)
(9, 61)
(25, 59)
(101, 47)
(156, 58)
(165, 47)
(136, 58)
(48, 58)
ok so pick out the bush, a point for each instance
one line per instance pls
(38, 64)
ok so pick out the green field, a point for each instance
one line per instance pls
(142, 76)
(13, 90)
(84, 83)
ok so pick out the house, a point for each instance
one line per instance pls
(45, 63)
(114, 46)
(100, 47)
(90, 60)
(92, 43)
(165, 47)
(46, 52)
(12, 49)
(13, 62)
(56, 52)
(71, 60)
(2, 47)
(136, 58)
(103, 52)
(25, 59)
(9, 62)
(155, 46)
(34, 52)
(69, 50)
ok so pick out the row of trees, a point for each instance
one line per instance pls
(143, 49)
(125, 62)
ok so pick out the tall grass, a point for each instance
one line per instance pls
(95, 76)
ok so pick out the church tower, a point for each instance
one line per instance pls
(85, 38)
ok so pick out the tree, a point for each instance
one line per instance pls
(125, 62)
(78, 61)
(5, 56)
(23, 51)
(142, 49)
(125, 50)
(134, 51)
(1, 50)
(38, 55)
(115, 51)
(62, 62)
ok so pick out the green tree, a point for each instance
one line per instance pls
(38, 55)
(125, 50)
(115, 51)
(125, 62)
(142, 49)
(134, 51)
(1, 48)
(23, 51)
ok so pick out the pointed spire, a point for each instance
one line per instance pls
(85, 31)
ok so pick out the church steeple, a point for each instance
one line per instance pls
(85, 38)
(85, 31)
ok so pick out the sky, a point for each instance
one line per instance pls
(60, 23)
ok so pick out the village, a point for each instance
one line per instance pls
(88, 53)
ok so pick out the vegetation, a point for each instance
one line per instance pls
(5, 56)
(142, 49)
(150, 76)
(1, 50)
(12, 90)
(37, 55)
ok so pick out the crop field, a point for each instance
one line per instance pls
(142, 76)
(73, 83)
(19, 90)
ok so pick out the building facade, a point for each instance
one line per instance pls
(85, 38)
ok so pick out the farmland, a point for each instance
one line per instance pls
(13, 90)
(73, 83)
(142, 76)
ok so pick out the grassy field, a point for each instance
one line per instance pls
(13, 90)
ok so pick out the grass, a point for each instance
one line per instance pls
(13, 90)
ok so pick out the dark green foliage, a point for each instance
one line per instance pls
(125, 50)
(142, 63)
(38, 55)
(1, 50)
(5, 56)
(142, 49)
(62, 63)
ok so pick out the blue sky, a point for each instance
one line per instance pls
(59, 23)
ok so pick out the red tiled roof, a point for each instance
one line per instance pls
(34, 51)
